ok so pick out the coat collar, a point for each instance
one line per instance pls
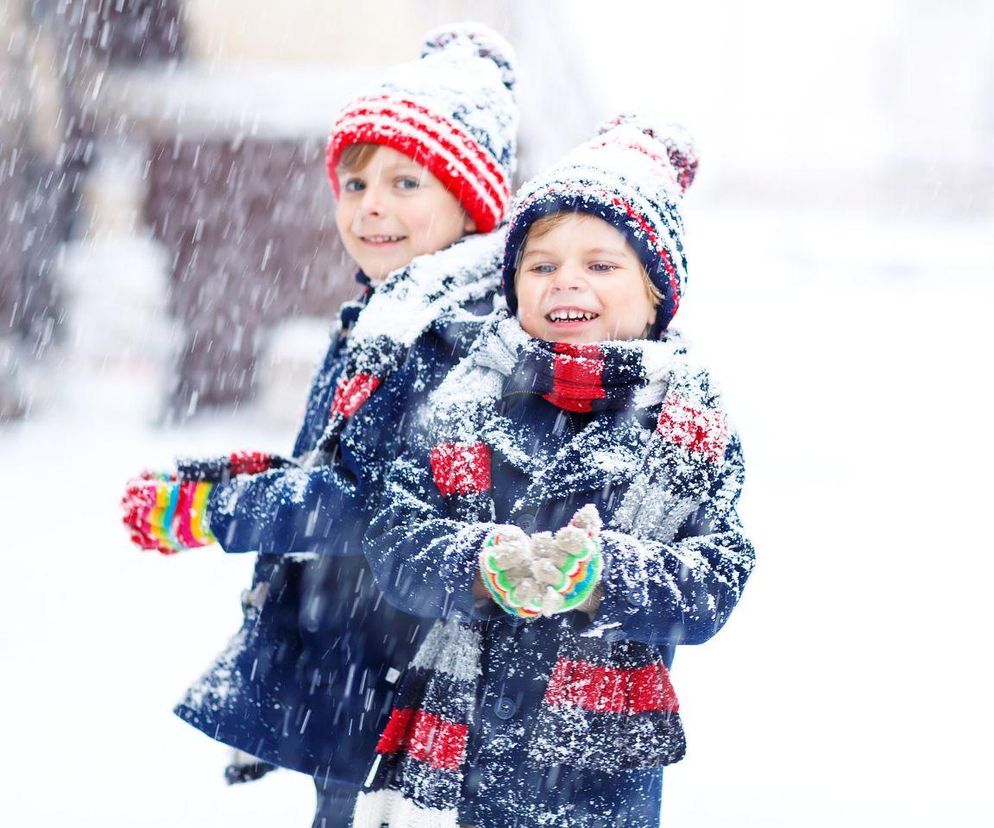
(609, 451)
(503, 345)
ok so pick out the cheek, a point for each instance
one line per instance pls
(529, 299)
(442, 218)
(531, 296)
(531, 322)
(343, 217)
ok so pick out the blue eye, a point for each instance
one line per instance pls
(542, 268)
(407, 182)
(354, 185)
(602, 267)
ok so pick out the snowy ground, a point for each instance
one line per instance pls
(851, 687)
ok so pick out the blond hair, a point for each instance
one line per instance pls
(356, 156)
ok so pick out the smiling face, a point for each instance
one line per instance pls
(391, 209)
(580, 282)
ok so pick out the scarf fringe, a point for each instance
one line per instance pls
(391, 809)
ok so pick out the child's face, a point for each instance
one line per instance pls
(581, 282)
(392, 210)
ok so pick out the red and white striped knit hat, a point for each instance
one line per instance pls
(453, 111)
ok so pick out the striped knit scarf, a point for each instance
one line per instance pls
(608, 706)
(416, 777)
(578, 378)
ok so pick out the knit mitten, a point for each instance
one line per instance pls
(544, 574)
(166, 510)
(166, 513)
(505, 565)
(568, 565)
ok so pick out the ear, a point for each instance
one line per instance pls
(468, 225)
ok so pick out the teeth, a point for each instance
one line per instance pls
(571, 315)
(378, 239)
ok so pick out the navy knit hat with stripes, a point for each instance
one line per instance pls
(453, 110)
(632, 175)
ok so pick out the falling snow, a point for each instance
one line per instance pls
(162, 218)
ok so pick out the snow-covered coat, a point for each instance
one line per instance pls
(665, 470)
(306, 681)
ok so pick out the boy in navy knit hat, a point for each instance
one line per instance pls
(419, 165)
(566, 510)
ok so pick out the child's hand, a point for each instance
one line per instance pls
(505, 566)
(167, 510)
(165, 513)
(569, 564)
(544, 574)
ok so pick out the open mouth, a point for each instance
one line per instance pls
(566, 315)
(382, 239)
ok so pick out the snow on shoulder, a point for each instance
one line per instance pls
(411, 299)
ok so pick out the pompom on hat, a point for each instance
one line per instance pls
(453, 110)
(633, 175)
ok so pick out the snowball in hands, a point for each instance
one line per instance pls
(543, 574)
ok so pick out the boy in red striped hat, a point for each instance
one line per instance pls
(420, 165)
(567, 511)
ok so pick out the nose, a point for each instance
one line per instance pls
(567, 277)
(372, 202)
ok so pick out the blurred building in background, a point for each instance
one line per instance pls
(197, 126)
(163, 194)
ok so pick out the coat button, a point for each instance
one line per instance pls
(527, 522)
(635, 597)
(505, 708)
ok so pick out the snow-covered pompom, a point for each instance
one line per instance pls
(543, 544)
(511, 537)
(679, 143)
(546, 546)
(477, 39)
(588, 519)
(512, 562)
(527, 593)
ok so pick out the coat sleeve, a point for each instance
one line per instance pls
(326, 509)
(680, 592)
(291, 510)
(287, 511)
(424, 560)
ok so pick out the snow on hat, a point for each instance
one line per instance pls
(453, 111)
(632, 175)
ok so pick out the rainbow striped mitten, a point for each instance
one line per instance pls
(505, 566)
(167, 514)
(544, 574)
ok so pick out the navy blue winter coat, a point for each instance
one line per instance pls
(660, 587)
(307, 681)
